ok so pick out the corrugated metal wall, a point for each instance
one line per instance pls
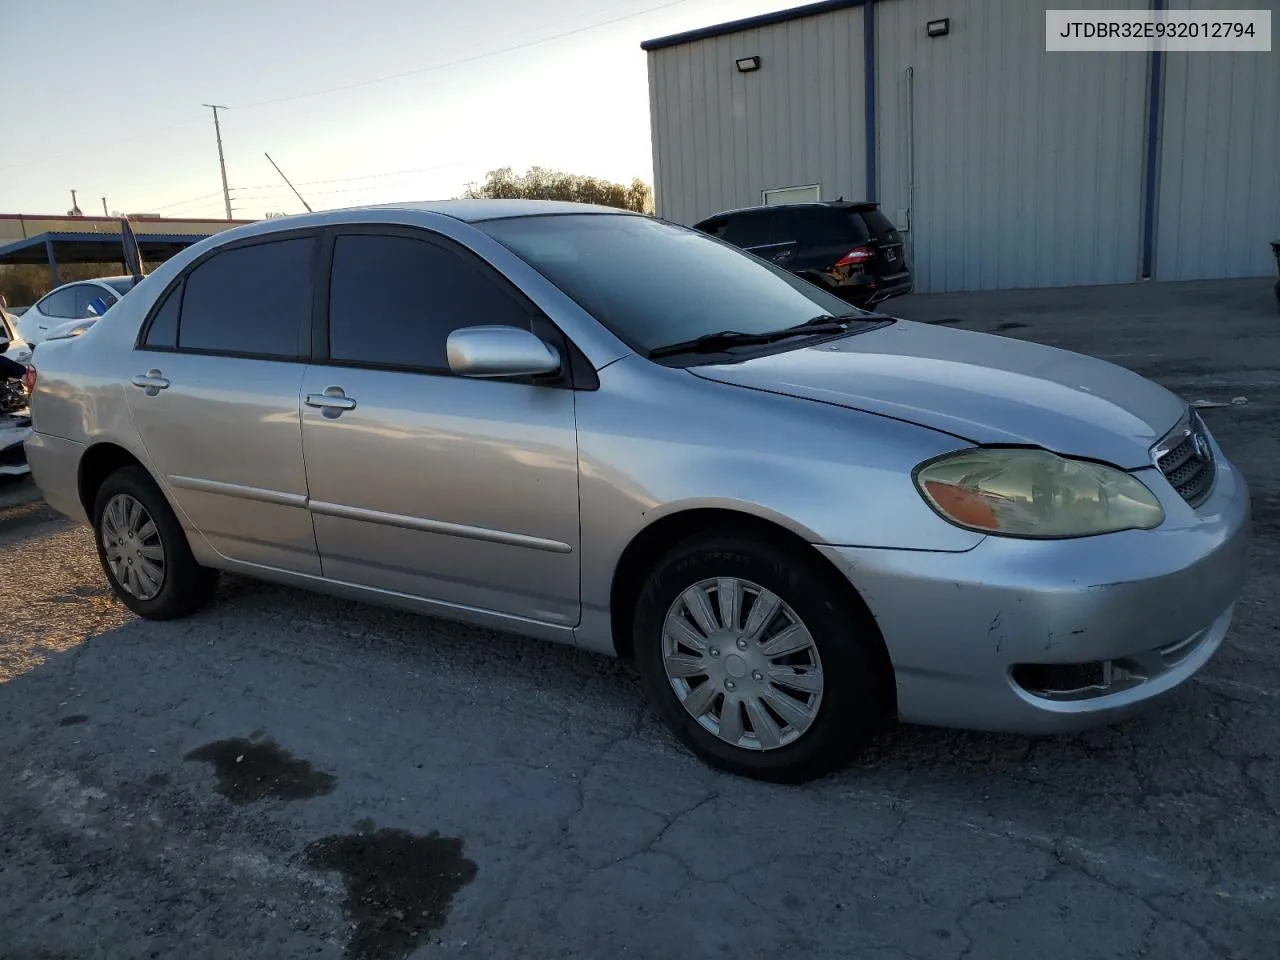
(721, 137)
(1219, 198)
(1028, 165)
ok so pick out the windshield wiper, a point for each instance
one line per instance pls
(824, 318)
(723, 339)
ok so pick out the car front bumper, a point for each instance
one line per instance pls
(978, 638)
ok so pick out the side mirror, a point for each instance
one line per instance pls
(498, 351)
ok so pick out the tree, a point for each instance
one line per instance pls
(539, 183)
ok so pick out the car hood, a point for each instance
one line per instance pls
(980, 387)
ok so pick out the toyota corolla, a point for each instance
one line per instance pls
(795, 518)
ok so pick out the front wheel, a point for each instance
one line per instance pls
(144, 551)
(757, 659)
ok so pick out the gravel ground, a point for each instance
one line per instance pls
(286, 775)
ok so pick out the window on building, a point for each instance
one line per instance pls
(810, 193)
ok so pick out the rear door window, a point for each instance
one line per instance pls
(747, 229)
(88, 294)
(251, 301)
(394, 300)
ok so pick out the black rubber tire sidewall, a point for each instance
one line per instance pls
(187, 585)
(857, 692)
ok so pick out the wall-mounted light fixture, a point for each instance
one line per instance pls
(938, 28)
(747, 64)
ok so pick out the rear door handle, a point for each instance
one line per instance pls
(332, 402)
(152, 382)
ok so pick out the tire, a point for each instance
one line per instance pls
(183, 585)
(850, 698)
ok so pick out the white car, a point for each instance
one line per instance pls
(15, 418)
(71, 301)
(19, 351)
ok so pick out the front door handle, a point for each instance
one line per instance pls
(152, 382)
(332, 402)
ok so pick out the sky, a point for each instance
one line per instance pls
(104, 97)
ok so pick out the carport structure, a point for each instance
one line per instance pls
(66, 247)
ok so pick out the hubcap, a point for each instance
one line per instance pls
(132, 544)
(742, 663)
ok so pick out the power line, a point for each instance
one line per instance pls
(462, 60)
(183, 203)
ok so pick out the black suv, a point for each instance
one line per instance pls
(849, 248)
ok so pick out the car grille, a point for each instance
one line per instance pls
(1185, 457)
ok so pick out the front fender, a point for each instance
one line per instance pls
(655, 442)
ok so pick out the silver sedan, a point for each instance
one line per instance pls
(796, 519)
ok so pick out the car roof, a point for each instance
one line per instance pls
(97, 280)
(468, 211)
(853, 206)
(473, 211)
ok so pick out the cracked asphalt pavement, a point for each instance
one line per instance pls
(286, 775)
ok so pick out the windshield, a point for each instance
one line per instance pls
(121, 285)
(653, 283)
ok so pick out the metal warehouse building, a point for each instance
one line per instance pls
(1008, 166)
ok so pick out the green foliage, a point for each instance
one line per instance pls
(539, 183)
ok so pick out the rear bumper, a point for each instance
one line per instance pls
(55, 467)
(13, 456)
(867, 290)
(1139, 611)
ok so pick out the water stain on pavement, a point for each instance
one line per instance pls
(248, 771)
(400, 886)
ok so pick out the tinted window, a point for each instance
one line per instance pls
(654, 283)
(60, 303)
(254, 300)
(881, 225)
(748, 230)
(394, 301)
(822, 226)
(163, 331)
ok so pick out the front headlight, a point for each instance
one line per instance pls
(1035, 494)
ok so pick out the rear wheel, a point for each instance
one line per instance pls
(144, 551)
(758, 661)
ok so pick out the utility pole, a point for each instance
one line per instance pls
(286, 180)
(217, 132)
(105, 212)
